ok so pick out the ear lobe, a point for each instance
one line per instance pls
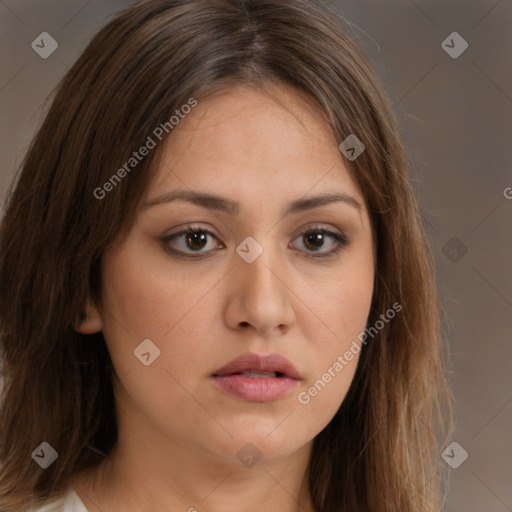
(90, 322)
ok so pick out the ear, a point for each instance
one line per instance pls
(90, 321)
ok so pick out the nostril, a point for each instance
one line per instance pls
(244, 324)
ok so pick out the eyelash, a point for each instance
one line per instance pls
(341, 242)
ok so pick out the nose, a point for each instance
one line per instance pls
(260, 296)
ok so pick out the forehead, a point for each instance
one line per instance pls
(242, 139)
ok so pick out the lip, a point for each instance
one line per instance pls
(257, 389)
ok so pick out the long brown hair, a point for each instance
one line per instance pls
(381, 450)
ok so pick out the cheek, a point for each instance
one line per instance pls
(343, 305)
(340, 303)
(147, 300)
(321, 397)
(176, 313)
(142, 300)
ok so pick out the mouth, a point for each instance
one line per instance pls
(257, 378)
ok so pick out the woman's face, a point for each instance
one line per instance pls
(268, 269)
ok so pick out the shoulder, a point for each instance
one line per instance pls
(70, 502)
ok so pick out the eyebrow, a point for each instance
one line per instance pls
(221, 204)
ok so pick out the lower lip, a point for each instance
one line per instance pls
(254, 389)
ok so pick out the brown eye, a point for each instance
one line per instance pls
(314, 241)
(192, 242)
(196, 240)
(321, 241)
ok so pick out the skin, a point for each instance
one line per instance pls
(178, 433)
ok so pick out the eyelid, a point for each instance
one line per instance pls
(189, 228)
(341, 240)
(186, 228)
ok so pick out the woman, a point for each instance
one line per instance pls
(216, 288)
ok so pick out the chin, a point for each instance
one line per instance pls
(259, 444)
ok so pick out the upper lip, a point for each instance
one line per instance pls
(259, 363)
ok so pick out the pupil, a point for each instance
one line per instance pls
(196, 238)
(315, 240)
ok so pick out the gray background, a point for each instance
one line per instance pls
(457, 118)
